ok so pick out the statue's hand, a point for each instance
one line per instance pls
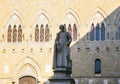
(59, 46)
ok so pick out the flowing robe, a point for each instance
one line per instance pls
(62, 50)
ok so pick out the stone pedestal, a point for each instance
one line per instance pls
(61, 76)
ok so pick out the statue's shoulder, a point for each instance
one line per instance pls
(67, 33)
(58, 34)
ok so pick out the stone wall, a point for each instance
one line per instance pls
(36, 58)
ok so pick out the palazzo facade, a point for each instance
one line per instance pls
(27, 33)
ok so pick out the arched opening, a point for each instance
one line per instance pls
(119, 29)
(102, 31)
(74, 32)
(41, 33)
(27, 80)
(92, 32)
(70, 23)
(43, 26)
(97, 66)
(36, 33)
(97, 27)
(9, 34)
(27, 70)
(14, 29)
(97, 32)
(19, 34)
(14, 34)
(47, 33)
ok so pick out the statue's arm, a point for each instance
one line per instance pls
(57, 38)
(69, 38)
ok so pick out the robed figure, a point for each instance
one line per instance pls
(61, 49)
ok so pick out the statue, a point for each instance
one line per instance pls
(62, 64)
(62, 50)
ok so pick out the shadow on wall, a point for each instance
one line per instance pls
(96, 54)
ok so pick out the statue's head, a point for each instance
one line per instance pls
(62, 27)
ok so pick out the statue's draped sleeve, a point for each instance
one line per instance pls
(69, 38)
(55, 52)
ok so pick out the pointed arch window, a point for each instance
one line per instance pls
(15, 29)
(9, 37)
(19, 34)
(119, 33)
(41, 33)
(70, 29)
(97, 32)
(102, 31)
(74, 32)
(92, 32)
(97, 66)
(71, 25)
(36, 33)
(47, 34)
(119, 29)
(14, 34)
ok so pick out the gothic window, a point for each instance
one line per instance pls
(92, 32)
(36, 33)
(102, 31)
(97, 66)
(74, 32)
(47, 33)
(119, 33)
(14, 30)
(97, 32)
(69, 29)
(9, 37)
(14, 34)
(19, 34)
(119, 29)
(42, 33)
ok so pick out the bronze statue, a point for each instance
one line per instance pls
(62, 50)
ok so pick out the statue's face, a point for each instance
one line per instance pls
(62, 28)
